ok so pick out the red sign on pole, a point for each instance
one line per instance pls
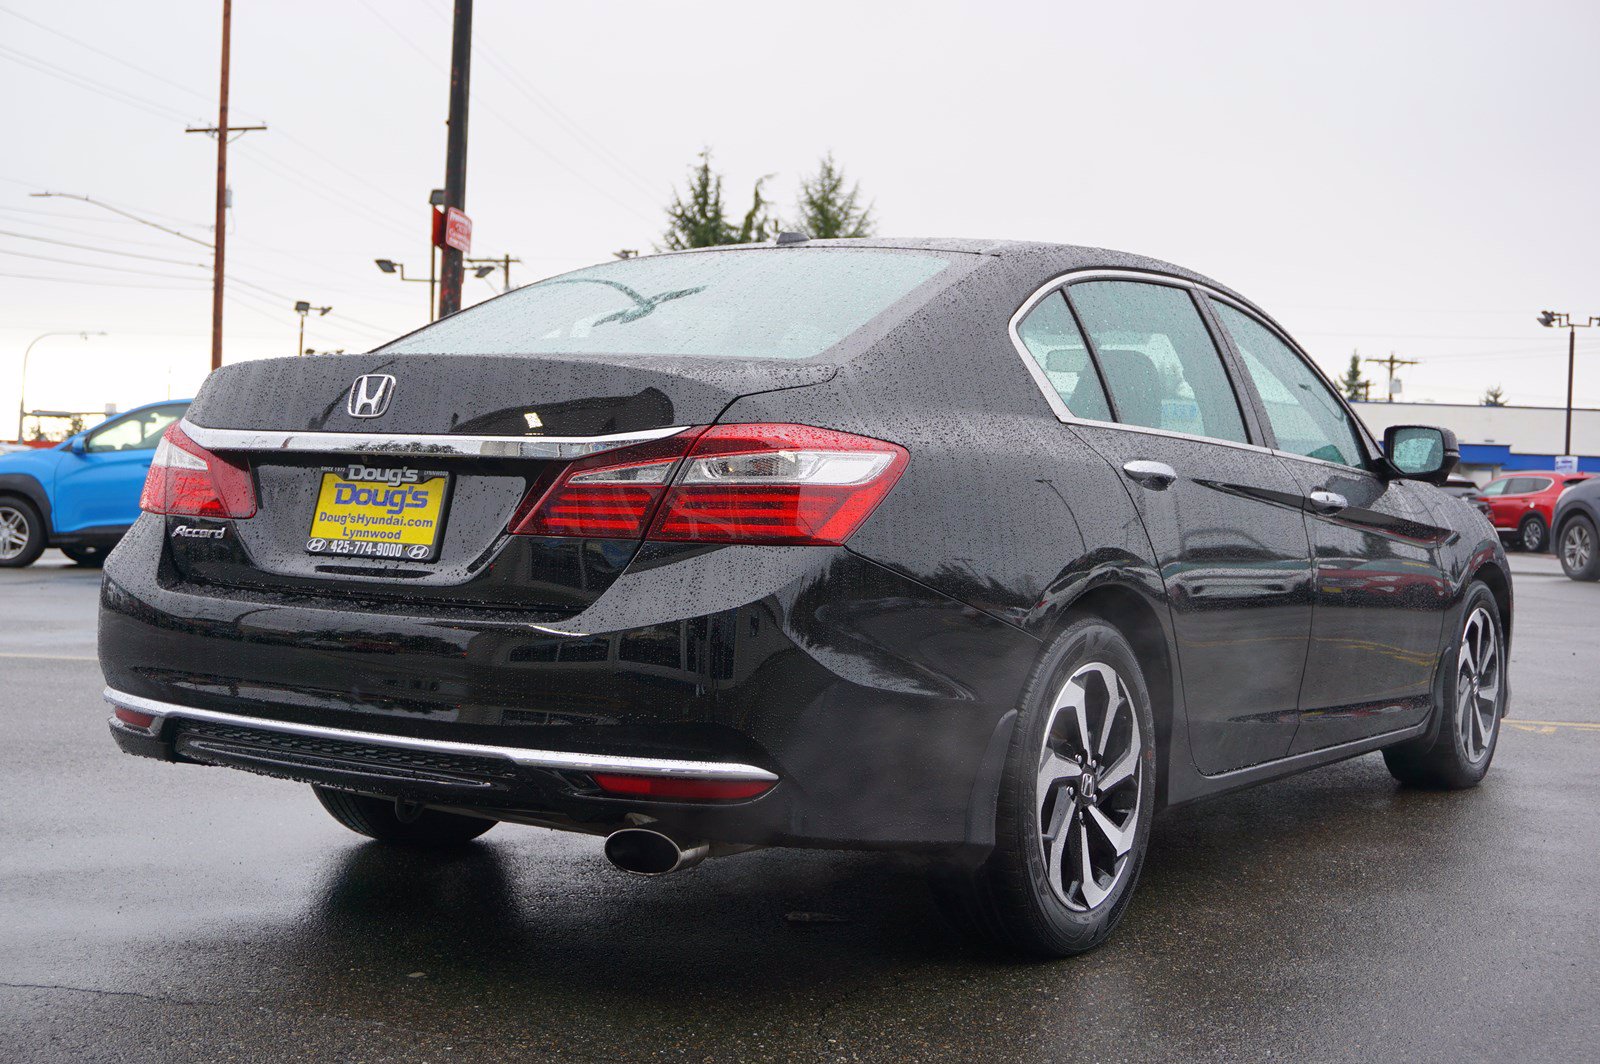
(437, 217)
(458, 230)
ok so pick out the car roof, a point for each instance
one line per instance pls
(1050, 259)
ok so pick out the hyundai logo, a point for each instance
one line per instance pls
(370, 395)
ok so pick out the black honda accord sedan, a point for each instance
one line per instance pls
(984, 551)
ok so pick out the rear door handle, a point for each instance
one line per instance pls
(1327, 502)
(1157, 476)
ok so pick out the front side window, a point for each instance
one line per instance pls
(1053, 339)
(1305, 415)
(135, 432)
(782, 303)
(1159, 362)
(1497, 487)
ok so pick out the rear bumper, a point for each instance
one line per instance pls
(877, 705)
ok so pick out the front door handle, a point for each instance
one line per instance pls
(1327, 502)
(1157, 476)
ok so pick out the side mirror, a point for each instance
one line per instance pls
(1421, 452)
(79, 445)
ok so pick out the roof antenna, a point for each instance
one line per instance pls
(785, 239)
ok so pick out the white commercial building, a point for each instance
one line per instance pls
(1495, 439)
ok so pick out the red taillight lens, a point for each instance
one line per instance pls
(187, 480)
(671, 787)
(779, 484)
(606, 496)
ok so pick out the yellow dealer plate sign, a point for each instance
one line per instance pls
(371, 512)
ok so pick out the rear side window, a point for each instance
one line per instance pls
(767, 303)
(1306, 417)
(1053, 339)
(1158, 358)
(1527, 485)
(134, 432)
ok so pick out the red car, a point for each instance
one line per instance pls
(1519, 505)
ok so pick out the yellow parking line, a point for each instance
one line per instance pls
(50, 657)
(1546, 727)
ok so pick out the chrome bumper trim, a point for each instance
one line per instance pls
(420, 445)
(547, 759)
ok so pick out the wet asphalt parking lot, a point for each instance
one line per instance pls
(157, 912)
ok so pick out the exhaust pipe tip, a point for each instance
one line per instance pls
(647, 852)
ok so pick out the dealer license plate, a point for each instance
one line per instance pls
(375, 512)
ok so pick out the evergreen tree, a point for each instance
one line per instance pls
(1494, 397)
(827, 210)
(700, 219)
(1352, 383)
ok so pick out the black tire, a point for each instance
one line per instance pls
(1457, 756)
(1578, 547)
(379, 818)
(22, 533)
(1009, 900)
(1533, 535)
(88, 557)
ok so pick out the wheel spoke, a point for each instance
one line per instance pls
(1114, 702)
(1093, 893)
(1056, 844)
(1054, 769)
(1467, 661)
(1121, 839)
(1124, 767)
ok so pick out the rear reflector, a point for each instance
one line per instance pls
(186, 480)
(134, 717)
(675, 787)
(761, 484)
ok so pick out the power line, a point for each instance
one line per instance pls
(108, 55)
(101, 251)
(93, 265)
(105, 284)
(101, 88)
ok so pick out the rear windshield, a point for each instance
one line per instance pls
(790, 303)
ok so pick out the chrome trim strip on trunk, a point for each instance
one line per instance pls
(417, 445)
(547, 759)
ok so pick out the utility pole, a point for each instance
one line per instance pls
(221, 131)
(455, 161)
(1392, 363)
(1551, 320)
(488, 266)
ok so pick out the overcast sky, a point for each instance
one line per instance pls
(1408, 177)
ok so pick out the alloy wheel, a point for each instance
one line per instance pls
(1088, 786)
(1532, 535)
(13, 533)
(1577, 547)
(1478, 678)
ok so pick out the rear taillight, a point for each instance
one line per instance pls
(777, 484)
(189, 481)
(764, 484)
(605, 496)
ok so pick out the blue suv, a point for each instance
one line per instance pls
(82, 494)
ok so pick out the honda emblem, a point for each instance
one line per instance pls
(370, 395)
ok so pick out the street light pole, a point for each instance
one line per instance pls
(22, 385)
(1552, 320)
